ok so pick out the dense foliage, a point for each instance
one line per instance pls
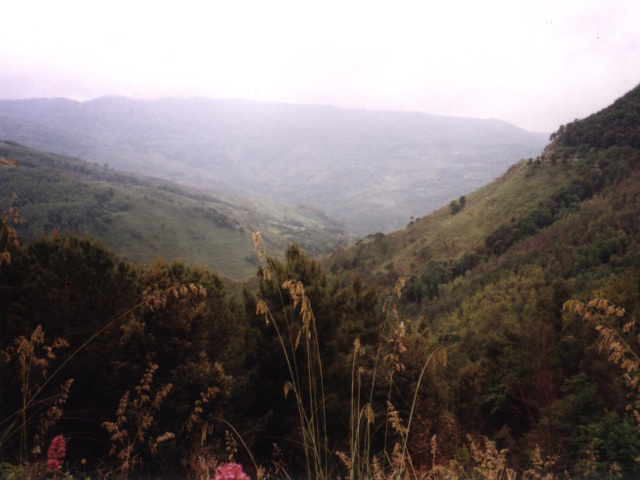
(117, 320)
(616, 125)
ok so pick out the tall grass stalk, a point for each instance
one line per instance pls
(308, 427)
(604, 316)
(32, 395)
(33, 369)
(439, 353)
(361, 461)
(311, 407)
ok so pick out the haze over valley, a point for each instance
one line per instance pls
(368, 170)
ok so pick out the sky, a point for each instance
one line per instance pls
(537, 64)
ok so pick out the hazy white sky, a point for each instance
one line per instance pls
(537, 64)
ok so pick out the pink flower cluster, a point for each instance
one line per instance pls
(55, 454)
(231, 471)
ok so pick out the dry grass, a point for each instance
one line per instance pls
(616, 328)
(8, 235)
(42, 404)
(33, 358)
(133, 419)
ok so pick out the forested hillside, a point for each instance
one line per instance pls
(496, 338)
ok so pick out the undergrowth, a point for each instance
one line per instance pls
(378, 436)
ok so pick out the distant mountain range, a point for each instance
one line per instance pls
(370, 170)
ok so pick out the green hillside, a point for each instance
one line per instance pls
(445, 237)
(488, 278)
(586, 158)
(143, 218)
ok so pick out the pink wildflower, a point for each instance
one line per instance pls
(54, 465)
(231, 471)
(55, 454)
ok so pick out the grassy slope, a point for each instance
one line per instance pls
(444, 236)
(142, 218)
